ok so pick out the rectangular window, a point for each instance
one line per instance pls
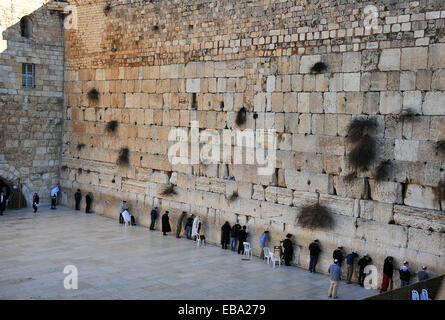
(28, 75)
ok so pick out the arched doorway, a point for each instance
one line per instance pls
(14, 194)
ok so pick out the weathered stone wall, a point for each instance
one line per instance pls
(148, 58)
(31, 119)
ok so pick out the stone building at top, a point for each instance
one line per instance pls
(140, 75)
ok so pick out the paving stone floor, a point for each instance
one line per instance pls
(117, 262)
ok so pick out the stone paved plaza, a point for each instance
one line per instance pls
(117, 262)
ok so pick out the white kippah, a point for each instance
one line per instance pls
(335, 260)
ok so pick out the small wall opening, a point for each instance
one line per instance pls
(26, 27)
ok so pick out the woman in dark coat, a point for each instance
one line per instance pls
(288, 249)
(165, 223)
(225, 235)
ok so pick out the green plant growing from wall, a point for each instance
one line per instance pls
(315, 216)
(124, 157)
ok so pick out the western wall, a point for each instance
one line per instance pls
(159, 65)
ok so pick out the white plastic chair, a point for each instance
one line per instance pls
(424, 295)
(274, 259)
(266, 251)
(414, 295)
(126, 222)
(247, 249)
(198, 240)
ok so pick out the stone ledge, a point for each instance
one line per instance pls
(420, 218)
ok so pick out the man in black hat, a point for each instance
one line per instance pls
(288, 249)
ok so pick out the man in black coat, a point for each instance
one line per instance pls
(77, 198)
(338, 254)
(225, 235)
(314, 249)
(242, 237)
(165, 223)
(288, 249)
(88, 200)
(35, 202)
(2, 202)
(362, 263)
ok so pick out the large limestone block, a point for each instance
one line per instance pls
(231, 68)
(305, 181)
(434, 103)
(377, 211)
(390, 234)
(302, 199)
(340, 205)
(414, 58)
(193, 85)
(357, 188)
(426, 241)
(421, 197)
(386, 191)
(406, 150)
(389, 60)
(390, 102)
(437, 56)
(352, 61)
(420, 218)
(304, 143)
(307, 62)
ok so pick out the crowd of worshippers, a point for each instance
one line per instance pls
(339, 256)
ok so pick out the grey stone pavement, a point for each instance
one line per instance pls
(117, 262)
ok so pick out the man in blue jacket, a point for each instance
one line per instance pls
(350, 265)
(154, 215)
(335, 272)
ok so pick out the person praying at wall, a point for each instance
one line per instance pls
(362, 263)
(422, 275)
(314, 251)
(288, 249)
(225, 235)
(196, 227)
(388, 270)
(2, 202)
(126, 216)
(264, 240)
(189, 226)
(338, 254)
(350, 265)
(179, 224)
(404, 274)
(154, 216)
(78, 198)
(54, 193)
(89, 201)
(242, 237)
(123, 208)
(35, 202)
(166, 223)
(234, 235)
